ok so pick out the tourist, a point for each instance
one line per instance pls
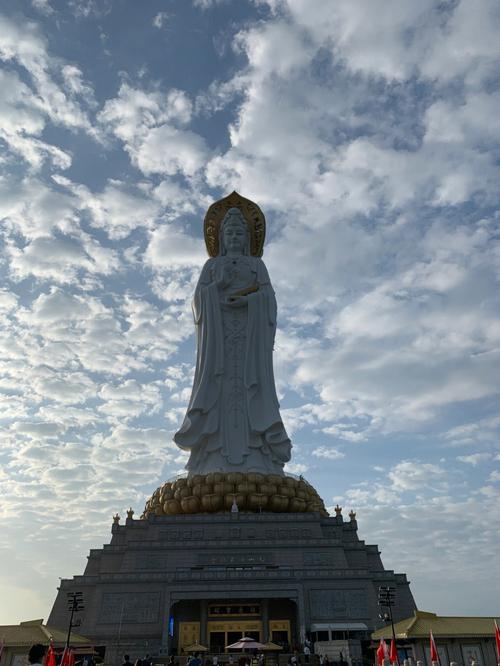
(307, 652)
(138, 662)
(195, 661)
(215, 660)
(36, 654)
(147, 661)
(126, 660)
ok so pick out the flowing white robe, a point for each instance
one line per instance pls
(233, 421)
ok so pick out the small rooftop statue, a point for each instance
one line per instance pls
(116, 519)
(338, 510)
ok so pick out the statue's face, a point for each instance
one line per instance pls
(234, 236)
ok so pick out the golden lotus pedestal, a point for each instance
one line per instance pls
(219, 491)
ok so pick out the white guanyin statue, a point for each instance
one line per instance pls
(233, 421)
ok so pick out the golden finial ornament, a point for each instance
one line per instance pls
(116, 519)
(250, 211)
(130, 513)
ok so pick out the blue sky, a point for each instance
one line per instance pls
(368, 132)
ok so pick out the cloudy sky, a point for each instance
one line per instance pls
(368, 132)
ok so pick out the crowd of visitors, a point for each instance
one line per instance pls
(297, 658)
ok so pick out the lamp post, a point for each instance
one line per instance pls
(387, 599)
(75, 604)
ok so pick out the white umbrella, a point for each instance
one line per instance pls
(245, 643)
(196, 647)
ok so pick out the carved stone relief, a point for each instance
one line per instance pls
(333, 604)
(125, 608)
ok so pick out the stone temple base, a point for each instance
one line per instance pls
(218, 491)
(166, 582)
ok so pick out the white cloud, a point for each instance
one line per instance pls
(151, 126)
(129, 399)
(43, 6)
(328, 453)
(168, 150)
(161, 19)
(414, 475)
(296, 468)
(25, 110)
(474, 458)
(118, 209)
(59, 259)
(171, 248)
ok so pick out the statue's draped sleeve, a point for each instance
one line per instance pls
(201, 419)
(263, 406)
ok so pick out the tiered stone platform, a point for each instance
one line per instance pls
(218, 491)
(157, 585)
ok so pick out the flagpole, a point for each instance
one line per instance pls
(393, 634)
(75, 603)
(386, 598)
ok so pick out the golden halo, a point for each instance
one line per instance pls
(252, 214)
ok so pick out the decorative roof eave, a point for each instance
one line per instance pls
(418, 627)
(34, 631)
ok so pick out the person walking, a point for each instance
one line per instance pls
(195, 661)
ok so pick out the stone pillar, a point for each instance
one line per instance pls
(301, 615)
(203, 621)
(264, 611)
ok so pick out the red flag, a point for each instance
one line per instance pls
(50, 657)
(497, 640)
(71, 658)
(393, 654)
(382, 652)
(434, 652)
(65, 657)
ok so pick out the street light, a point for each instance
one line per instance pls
(387, 599)
(75, 604)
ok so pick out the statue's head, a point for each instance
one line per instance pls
(234, 233)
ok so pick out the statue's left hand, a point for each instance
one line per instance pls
(237, 301)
